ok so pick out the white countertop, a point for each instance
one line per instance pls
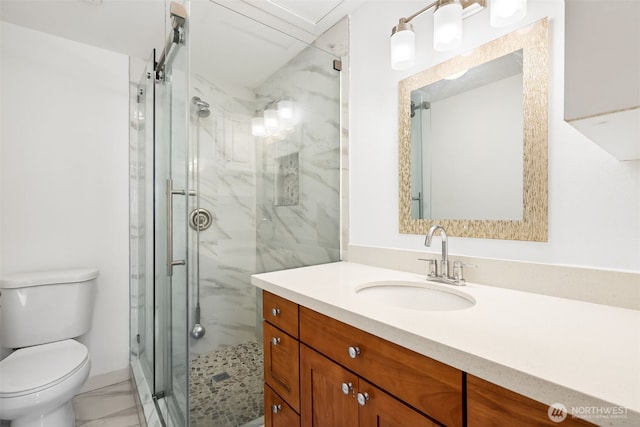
(553, 350)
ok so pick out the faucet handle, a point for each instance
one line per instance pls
(433, 266)
(457, 270)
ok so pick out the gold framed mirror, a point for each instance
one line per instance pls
(473, 141)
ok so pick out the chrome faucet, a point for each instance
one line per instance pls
(444, 263)
(444, 276)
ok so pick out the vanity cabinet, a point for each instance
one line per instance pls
(319, 371)
(334, 396)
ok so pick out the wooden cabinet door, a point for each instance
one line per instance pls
(276, 411)
(281, 364)
(323, 403)
(382, 410)
(490, 405)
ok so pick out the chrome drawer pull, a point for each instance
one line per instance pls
(354, 352)
(347, 388)
(362, 398)
(275, 341)
(275, 311)
(276, 408)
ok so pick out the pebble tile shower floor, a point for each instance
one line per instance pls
(227, 386)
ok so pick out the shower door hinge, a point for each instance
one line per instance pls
(337, 65)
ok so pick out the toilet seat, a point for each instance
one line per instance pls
(33, 369)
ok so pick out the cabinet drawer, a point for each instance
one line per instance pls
(280, 312)
(276, 411)
(281, 364)
(491, 405)
(428, 385)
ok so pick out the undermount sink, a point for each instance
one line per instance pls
(414, 296)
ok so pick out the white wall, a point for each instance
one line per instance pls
(594, 200)
(64, 172)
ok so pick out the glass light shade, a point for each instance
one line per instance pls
(257, 127)
(270, 119)
(447, 26)
(506, 12)
(403, 50)
(285, 110)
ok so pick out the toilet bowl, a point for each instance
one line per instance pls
(39, 382)
(41, 314)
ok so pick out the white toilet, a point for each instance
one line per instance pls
(41, 313)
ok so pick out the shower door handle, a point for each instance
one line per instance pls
(170, 193)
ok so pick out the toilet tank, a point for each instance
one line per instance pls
(46, 306)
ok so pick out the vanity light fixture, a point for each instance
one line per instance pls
(447, 25)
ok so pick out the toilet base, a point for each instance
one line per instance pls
(63, 416)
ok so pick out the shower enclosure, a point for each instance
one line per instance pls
(235, 170)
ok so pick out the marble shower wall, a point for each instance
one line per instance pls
(304, 230)
(225, 256)
(275, 201)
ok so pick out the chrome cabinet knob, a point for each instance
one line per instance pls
(347, 388)
(276, 408)
(275, 311)
(353, 352)
(362, 398)
(275, 341)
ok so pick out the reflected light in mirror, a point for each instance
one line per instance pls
(447, 24)
(270, 119)
(456, 75)
(257, 126)
(285, 110)
(506, 12)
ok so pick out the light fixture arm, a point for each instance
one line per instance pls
(480, 4)
(418, 13)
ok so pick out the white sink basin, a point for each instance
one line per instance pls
(414, 296)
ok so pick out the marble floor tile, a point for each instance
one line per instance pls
(111, 406)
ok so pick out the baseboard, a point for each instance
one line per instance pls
(104, 380)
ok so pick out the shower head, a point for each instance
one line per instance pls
(201, 107)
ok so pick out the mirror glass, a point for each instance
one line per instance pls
(449, 177)
(473, 141)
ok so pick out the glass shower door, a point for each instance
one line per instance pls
(171, 194)
(141, 228)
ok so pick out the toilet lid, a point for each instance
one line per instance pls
(40, 366)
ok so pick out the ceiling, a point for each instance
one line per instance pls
(132, 27)
(240, 40)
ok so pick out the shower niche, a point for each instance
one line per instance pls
(287, 180)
